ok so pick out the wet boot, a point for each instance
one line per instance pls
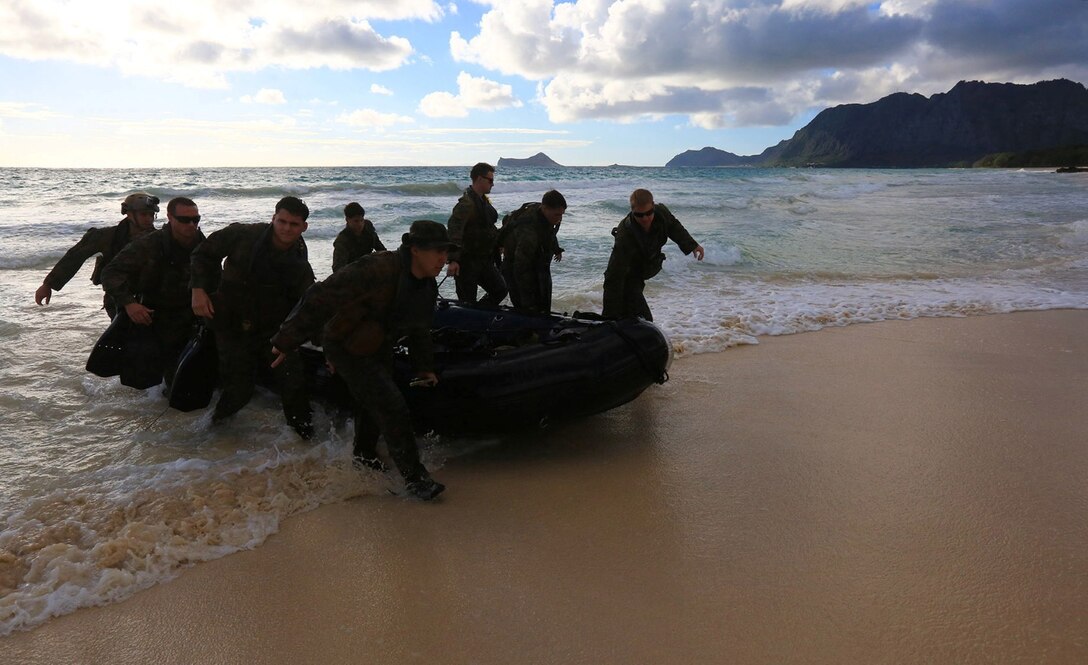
(424, 488)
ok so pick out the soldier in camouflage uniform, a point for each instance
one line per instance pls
(264, 274)
(637, 256)
(472, 227)
(358, 313)
(529, 245)
(139, 210)
(149, 278)
(357, 239)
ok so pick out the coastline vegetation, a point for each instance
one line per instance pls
(1070, 155)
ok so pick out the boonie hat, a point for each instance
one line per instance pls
(425, 234)
(138, 202)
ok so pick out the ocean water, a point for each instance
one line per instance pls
(104, 491)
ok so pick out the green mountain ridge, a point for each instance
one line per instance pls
(971, 123)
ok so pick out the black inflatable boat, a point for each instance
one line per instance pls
(498, 369)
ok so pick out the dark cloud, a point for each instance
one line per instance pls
(1012, 34)
(343, 38)
(735, 107)
(762, 41)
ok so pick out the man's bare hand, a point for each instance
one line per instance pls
(43, 294)
(202, 304)
(139, 314)
(280, 356)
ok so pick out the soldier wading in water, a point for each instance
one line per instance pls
(358, 313)
(139, 210)
(264, 272)
(149, 278)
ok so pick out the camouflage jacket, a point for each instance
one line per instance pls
(472, 226)
(347, 247)
(529, 244)
(257, 284)
(637, 255)
(365, 307)
(104, 241)
(152, 269)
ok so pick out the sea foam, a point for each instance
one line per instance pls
(126, 527)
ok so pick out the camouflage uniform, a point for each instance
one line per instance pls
(154, 271)
(636, 257)
(258, 286)
(347, 247)
(359, 312)
(472, 226)
(529, 244)
(105, 241)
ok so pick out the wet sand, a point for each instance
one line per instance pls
(901, 492)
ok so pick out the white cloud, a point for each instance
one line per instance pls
(26, 111)
(200, 42)
(442, 105)
(371, 119)
(380, 89)
(265, 96)
(761, 62)
(474, 93)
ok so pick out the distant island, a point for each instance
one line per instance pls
(973, 124)
(711, 157)
(539, 159)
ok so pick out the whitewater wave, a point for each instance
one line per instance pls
(302, 190)
(128, 528)
(1075, 235)
(742, 311)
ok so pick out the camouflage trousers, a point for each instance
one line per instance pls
(173, 330)
(242, 356)
(480, 274)
(634, 302)
(379, 408)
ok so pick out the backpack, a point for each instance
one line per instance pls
(510, 220)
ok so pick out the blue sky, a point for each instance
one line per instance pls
(418, 82)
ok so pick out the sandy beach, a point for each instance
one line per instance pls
(899, 492)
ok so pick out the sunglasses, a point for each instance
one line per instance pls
(490, 180)
(186, 219)
(640, 215)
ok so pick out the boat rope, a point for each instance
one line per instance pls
(154, 420)
(439, 287)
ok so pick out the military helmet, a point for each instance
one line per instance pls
(139, 202)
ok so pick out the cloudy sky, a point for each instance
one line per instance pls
(417, 82)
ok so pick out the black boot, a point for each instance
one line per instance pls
(425, 488)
